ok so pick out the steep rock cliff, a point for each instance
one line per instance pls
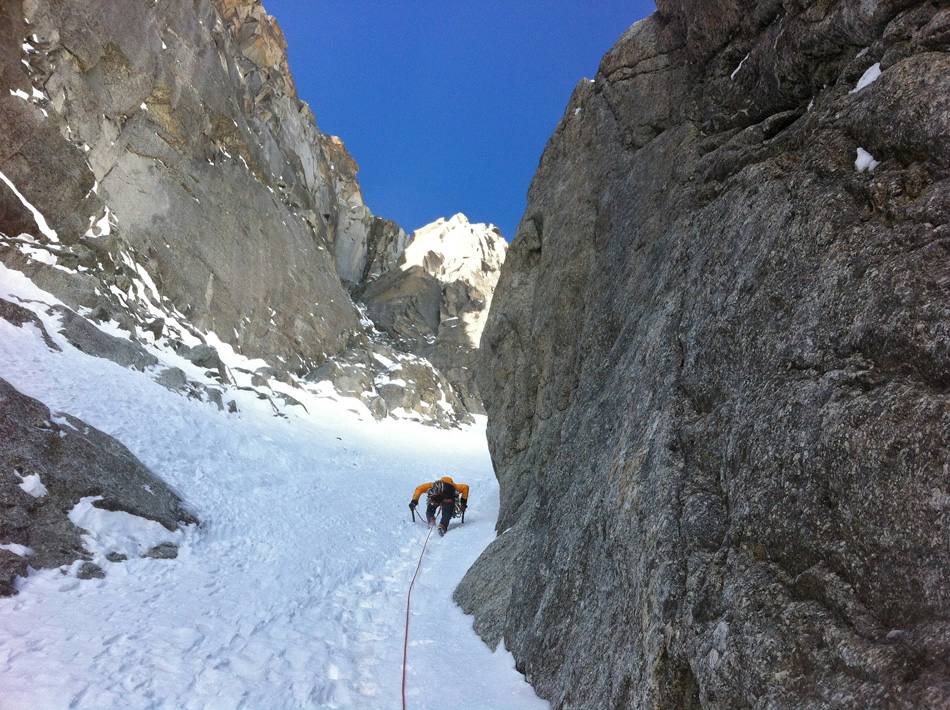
(165, 144)
(719, 365)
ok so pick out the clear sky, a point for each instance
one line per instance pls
(446, 105)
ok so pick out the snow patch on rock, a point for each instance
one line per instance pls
(865, 161)
(32, 484)
(869, 77)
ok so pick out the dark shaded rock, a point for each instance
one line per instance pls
(73, 460)
(15, 219)
(11, 567)
(386, 242)
(405, 304)
(32, 147)
(716, 372)
(370, 246)
(165, 551)
(89, 570)
(492, 595)
(215, 396)
(259, 381)
(116, 557)
(206, 356)
(86, 337)
(174, 379)
(397, 395)
(203, 356)
(156, 327)
(378, 406)
(288, 400)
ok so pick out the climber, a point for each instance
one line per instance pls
(442, 493)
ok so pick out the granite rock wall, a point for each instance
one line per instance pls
(719, 370)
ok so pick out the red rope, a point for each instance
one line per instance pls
(405, 646)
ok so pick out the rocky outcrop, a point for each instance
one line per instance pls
(160, 172)
(48, 464)
(363, 245)
(84, 336)
(184, 183)
(719, 347)
(393, 383)
(434, 303)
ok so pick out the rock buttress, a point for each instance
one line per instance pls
(716, 371)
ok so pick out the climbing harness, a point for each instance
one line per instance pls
(405, 646)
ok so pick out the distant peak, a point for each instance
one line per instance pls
(442, 227)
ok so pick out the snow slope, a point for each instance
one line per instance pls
(292, 592)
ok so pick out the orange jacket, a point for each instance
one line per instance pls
(460, 487)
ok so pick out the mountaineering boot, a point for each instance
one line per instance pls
(431, 522)
(441, 530)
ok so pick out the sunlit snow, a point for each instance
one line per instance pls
(114, 531)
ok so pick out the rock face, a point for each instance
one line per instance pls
(364, 246)
(47, 465)
(159, 170)
(720, 363)
(392, 382)
(182, 178)
(435, 301)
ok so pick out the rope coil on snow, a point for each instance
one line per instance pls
(405, 646)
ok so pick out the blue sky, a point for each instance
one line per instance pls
(446, 105)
